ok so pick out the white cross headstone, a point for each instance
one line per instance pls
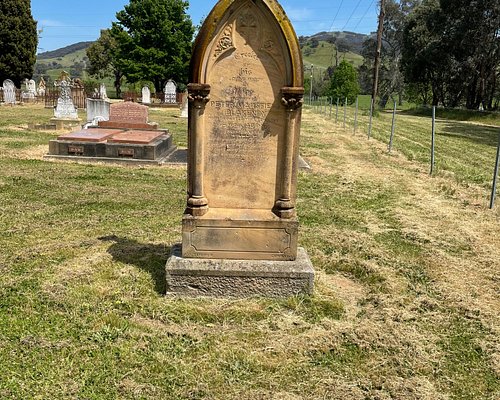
(170, 92)
(9, 92)
(146, 95)
(65, 107)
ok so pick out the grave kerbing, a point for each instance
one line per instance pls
(245, 98)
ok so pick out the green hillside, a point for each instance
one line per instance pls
(324, 55)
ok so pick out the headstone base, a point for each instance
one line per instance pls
(65, 123)
(194, 277)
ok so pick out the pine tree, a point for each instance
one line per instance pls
(154, 39)
(18, 40)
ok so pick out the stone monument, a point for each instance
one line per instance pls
(170, 92)
(9, 92)
(42, 87)
(146, 95)
(103, 94)
(184, 106)
(240, 228)
(30, 93)
(97, 110)
(65, 113)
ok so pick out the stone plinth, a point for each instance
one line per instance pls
(238, 278)
(65, 123)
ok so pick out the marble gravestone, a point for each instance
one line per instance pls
(103, 94)
(184, 106)
(9, 92)
(42, 87)
(30, 93)
(240, 227)
(170, 92)
(65, 112)
(146, 95)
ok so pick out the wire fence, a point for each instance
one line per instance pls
(468, 150)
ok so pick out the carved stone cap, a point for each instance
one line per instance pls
(292, 97)
(199, 94)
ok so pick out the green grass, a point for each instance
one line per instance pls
(82, 307)
(324, 55)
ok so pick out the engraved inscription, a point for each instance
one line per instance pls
(126, 152)
(75, 150)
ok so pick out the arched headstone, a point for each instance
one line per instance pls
(146, 95)
(170, 92)
(245, 97)
(9, 92)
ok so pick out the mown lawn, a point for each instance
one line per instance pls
(406, 303)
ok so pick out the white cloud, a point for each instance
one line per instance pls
(298, 14)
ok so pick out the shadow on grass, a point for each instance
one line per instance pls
(148, 257)
(480, 134)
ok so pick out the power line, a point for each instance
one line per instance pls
(364, 15)
(355, 9)
(336, 15)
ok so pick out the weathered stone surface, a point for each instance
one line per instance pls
(89, 135)
(238, 278)
(97, 108)
(136, 136)
(65, 108)
(244, 120)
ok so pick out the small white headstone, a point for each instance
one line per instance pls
(41, 87)
(170, 92)
(9, 92)
(146, 95)
(31, 85)
(102, 91)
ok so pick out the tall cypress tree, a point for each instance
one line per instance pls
(18, 40)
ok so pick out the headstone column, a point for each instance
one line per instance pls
(198, 96)
(292, 99)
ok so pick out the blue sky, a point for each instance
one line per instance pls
(65, 22)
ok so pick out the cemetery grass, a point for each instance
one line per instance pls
(405, 307)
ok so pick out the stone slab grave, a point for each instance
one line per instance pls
(97, 110)
(240, 227)
(127, 137)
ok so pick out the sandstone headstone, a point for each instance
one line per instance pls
(9, 92)
(245, 100)
(170, 92)
(146, 95)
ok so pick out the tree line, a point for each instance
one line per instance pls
(439, 52)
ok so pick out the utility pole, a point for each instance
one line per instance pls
(376, 66)
(311, 83)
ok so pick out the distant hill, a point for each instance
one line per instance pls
(322, 49)
(64, 51)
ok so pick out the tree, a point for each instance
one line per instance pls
(18, 40)
(344, 83)
(453, 46)
(103, 59)
(154, 39)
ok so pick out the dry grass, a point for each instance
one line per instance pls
(407, 288)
